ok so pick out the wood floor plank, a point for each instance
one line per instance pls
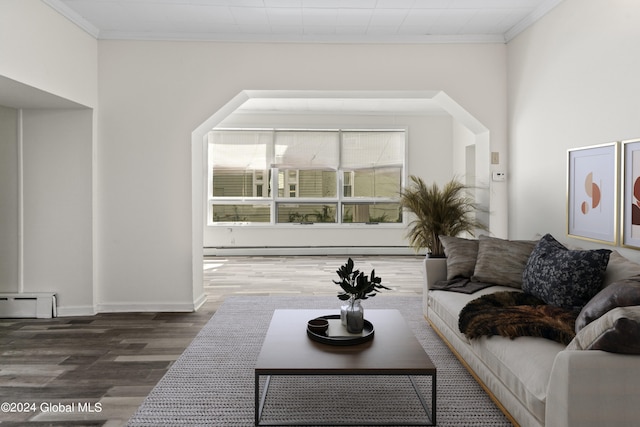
(117, 358)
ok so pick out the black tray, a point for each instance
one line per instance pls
(367, 334)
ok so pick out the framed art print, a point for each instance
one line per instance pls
(631, 194)
(592, 193)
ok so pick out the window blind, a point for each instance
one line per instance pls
(307, 150)
(366, 150)
(245, 150)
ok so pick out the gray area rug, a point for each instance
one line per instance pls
(212, 382)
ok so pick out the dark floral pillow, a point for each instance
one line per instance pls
(562, 277)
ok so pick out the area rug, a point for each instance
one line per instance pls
(212, 382)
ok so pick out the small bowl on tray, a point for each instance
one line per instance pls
(318, 326)
(339, 334)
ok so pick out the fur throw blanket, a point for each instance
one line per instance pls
(516, 314)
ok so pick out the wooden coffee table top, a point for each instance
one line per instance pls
(394, 350)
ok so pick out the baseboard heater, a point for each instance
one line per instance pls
(306, 250)
(40, 305)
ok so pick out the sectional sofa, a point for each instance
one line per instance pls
(567, 351)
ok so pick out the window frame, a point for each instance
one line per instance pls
(274, 200)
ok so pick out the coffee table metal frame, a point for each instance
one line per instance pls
(394, 350)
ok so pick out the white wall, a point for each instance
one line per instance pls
(573, 82)
(9, 225)
(58, 253)
(429, 154)
(42, 49)
(471, 165)
(462, 137)
(154, 94)
(48, 65)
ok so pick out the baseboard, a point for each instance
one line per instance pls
(308, 250)
(473, 374)
(77, 310)
(145, 307)
(199, 302)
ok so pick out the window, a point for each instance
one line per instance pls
(347, 184)
(306, 169)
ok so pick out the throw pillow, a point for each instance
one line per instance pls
(619, 294)
(500, 261)
(461, 256)
(619, 268)
(618, 331)
(562, 277)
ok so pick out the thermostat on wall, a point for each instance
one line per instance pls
(499, 176)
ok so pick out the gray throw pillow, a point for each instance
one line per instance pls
(617, 331)
(562, 277)
(619, 268)
(461, 256)
(619, 294)
(502, 262)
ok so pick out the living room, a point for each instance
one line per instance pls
(108, 182)
(555, 86)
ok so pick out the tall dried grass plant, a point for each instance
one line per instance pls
(449, 211)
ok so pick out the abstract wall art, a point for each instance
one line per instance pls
(592, 193)
(631, 194)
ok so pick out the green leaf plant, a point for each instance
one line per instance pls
(357, 285)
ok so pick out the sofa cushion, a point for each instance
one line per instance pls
(619, 294)
(502, 261)
(523, 364)
(447, 305)
(562, 277)
(461, 256)
(617, 331)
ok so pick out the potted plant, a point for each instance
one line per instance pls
(355, 286)
(438, 212)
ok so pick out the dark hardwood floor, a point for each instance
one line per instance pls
(96, 370)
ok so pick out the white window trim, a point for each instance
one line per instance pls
(275, 199)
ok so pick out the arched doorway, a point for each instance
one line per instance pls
(468, 136)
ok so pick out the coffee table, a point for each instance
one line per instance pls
(394, 350)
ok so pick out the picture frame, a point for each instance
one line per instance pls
(592, 193)
(630, 232)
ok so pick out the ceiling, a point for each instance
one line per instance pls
(328, 21)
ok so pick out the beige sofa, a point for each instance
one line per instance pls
(534, 380)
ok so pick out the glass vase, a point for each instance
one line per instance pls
(355, 317)
(343, 313)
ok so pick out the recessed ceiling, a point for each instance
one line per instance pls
(341, 105)
(424, 102)
(330, 21)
